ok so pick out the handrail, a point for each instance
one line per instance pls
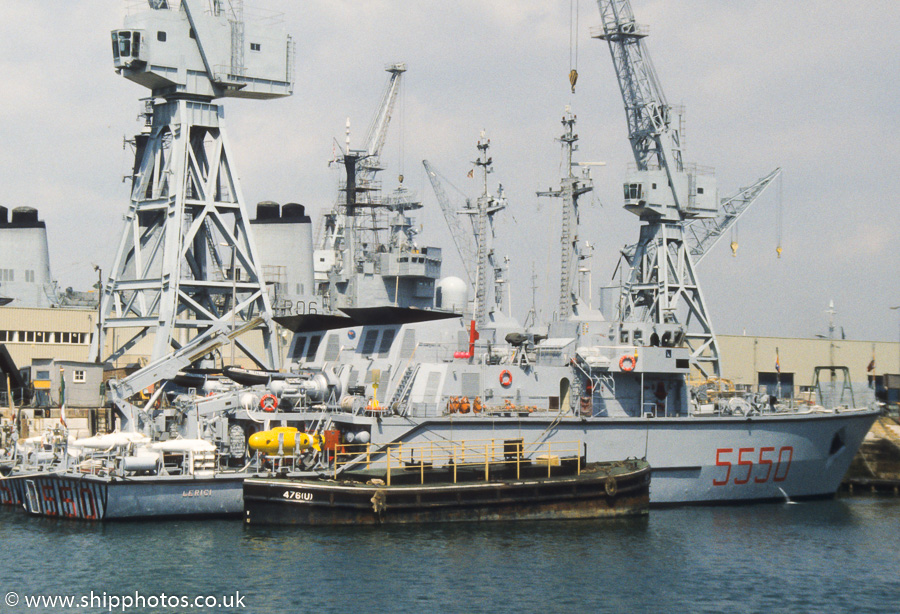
(455, 454)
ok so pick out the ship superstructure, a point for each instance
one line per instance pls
(367, 253)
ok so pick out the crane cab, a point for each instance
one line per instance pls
(126, 48)
(194, 50)
(649, 195)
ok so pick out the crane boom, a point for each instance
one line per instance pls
(462, 239)
(654, 140)
(378, 129)
(702, 235)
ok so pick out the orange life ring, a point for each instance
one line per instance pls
(269, 402)
(632, 361)
(505, 378)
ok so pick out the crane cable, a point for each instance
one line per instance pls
(573, 43)
(778, 214)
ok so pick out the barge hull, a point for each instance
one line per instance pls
(316, 502)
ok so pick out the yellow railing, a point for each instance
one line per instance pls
(428, 455)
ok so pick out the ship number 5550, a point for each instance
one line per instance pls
(769, 465)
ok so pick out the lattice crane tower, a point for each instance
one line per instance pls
(186, 259)
(662, 287)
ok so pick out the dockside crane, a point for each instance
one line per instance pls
(668, 196)
(187, 215)
(702, 234)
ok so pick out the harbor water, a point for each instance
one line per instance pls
(837, 555)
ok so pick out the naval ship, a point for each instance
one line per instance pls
(620, 388)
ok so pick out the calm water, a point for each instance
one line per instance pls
(833, 556)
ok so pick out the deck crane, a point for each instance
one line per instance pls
(377, 134)
(661, 287)
(481, 213)
(187, 215)
(463, 238)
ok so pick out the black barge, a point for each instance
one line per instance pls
(512, 487)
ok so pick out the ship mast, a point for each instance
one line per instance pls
(571, 188)
(484, 210)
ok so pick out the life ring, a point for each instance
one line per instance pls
(505, 378)
(610, 486)
(632, 361)
(269, 402)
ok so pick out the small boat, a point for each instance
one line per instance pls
(493, 487)
(127, 476)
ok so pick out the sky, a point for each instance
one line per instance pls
(764, 84)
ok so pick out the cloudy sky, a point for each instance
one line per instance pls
(764, 84)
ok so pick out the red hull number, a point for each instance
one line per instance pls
(742, 461)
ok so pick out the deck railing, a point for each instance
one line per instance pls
(491, 454)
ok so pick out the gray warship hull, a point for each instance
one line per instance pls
(92, 497)
(693, 459)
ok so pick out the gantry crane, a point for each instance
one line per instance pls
(187, 215)
(661, 287)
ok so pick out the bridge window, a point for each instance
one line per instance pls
(161, 36)
(299, 345)
(369, 341)
(255, 47)
(386, 340)
(313, 347)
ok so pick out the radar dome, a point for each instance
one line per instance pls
(452, 294)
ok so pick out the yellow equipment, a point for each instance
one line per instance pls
(268, 441)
